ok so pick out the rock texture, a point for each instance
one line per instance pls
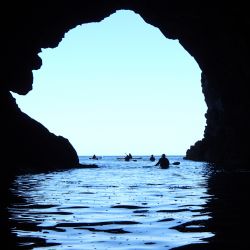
(215, 34)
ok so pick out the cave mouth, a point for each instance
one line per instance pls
(119, 83)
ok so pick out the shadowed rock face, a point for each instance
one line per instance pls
(216, 36)
(28, 144)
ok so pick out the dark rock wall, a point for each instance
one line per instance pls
(27, 144)
(215, 34)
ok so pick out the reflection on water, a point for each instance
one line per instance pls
(126, 205)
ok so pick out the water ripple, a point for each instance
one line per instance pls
(82, 208)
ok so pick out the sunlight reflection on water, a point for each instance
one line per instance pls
(120, 205)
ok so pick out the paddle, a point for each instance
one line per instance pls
(176, 163)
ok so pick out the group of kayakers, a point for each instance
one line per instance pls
(163, 162)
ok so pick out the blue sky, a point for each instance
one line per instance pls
(119, 86)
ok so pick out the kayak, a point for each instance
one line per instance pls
(97, 158)
(134, 158)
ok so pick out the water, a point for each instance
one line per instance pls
(120, 205)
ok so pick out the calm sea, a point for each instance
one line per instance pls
(120, 205)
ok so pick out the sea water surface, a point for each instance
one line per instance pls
(120, 205)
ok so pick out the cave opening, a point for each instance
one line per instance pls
(119, 86)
